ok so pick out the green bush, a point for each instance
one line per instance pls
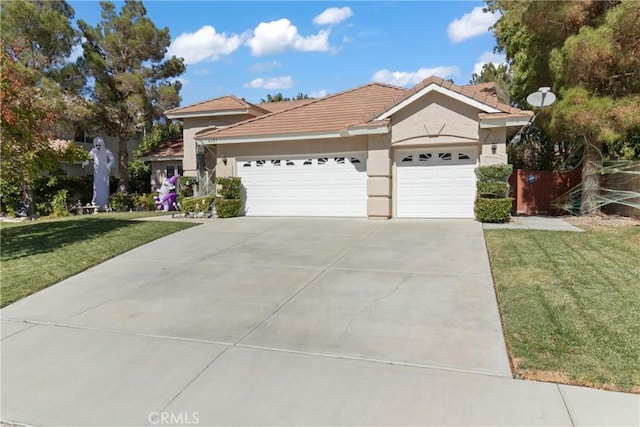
(144, 202)
(228, 208)
(230, 187)
(59, 203)
(500, 172)
(185, 187)
(493, 210)
(492, 189)
(122, 202)
(197, 204)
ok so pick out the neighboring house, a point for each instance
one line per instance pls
(376, 151)
(166, 160)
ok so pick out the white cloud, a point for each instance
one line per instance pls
(76, 51)
(485, 58)
(406, 78)
(283, 82)
(264, 66)
(204, 45)
(333, 15)
(179, 79)
(471, 24)
(319, 94)
(278, 36)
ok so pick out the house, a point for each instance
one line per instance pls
(166, 160)
(376, 151)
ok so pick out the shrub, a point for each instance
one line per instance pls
(144, 202)
(500, 172)
(493, 210)
(226, 208)
(197, 204)
(122, 202)
(59, 203)
(492, 189)
(185, 187)
(230, 187)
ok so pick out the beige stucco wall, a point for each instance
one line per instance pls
(193, 125)
(379, 176)
(434, 119)
(293, 148)
(489, 137)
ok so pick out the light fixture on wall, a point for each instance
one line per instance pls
(224, 159)
(494, 148)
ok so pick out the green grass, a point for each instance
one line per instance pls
(570, 304)
(37, 254)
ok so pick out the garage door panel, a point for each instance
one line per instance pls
(435, 183)
(311, 186)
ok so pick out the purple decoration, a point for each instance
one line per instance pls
(166, 198)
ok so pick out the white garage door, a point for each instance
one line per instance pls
(435, 183)
(310, 186)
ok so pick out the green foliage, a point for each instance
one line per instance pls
(185, 187)
(59, 203)
(498, 75)
(278, 97)
(492, 189)
(144, 202)
(159, 133)
(228, 208)
(500, 172)
(139, 176)
(493, 210)
(230, 187)
(197, 204)
(122, 202)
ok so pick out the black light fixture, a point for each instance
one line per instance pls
(224, 159)
(494, 148)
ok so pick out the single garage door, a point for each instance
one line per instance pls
(331, 185)
(435, 183)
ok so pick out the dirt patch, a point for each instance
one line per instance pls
(564, 378)
(602, 221)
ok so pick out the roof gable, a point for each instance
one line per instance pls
(481, 96)
(171, 147)
(218, 106)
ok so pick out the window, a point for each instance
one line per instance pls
(408, 159)
(173, 170)
(290, 163)
(339, 160)
(275, 162)
(462, 156)
(322, 160)
(354, 161)
(260, 163)
(425, 157)
(307, 162)
(444, 156)
(246, 165)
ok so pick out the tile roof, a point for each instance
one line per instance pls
(357, 107)
(223, 103)
(273, 107)
(331, 113)
(172, 147)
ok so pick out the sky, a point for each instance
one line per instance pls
(251, 49)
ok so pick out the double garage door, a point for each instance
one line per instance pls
(328, 185)
(435, 183)
(429, 183)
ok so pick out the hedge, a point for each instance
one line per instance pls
(500, 172)
(230, 187)
(228, 208)
(492, 189)
(196, 204)
(493, 210)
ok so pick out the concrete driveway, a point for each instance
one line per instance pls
(272, 321)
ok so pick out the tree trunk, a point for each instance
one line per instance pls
(123, 164)
(27, 197)
(591, 168)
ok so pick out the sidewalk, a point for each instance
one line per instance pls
(550, 223)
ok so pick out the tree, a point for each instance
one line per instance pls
(134, 83)
(589, 53)
(37, 83)
(278, 97)
(498, 75)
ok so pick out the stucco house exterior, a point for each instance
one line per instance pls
(166, 160)
(376, 151)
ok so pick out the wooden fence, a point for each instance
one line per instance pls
(542, 192)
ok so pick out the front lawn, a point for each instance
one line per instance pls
(570, 304)
(37, 254)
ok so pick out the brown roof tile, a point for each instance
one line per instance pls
(168, 148)
(331, 113)
(273, 107)
(223, 103)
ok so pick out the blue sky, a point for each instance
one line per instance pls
(251, 49)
